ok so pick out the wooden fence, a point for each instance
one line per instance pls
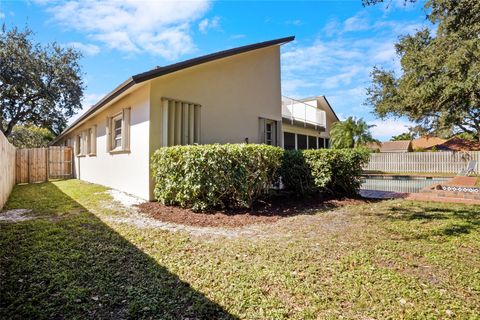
(41, 164)
(432, 162)
(7, 169)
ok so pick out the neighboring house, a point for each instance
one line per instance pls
(457, 144)
(306, 123)
(426, 142)
(374, 146)
(231, 96)
(396, 146)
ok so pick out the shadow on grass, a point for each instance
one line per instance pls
(457, 219)
(75, 266)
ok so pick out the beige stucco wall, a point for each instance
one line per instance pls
(234, 92)
(128, 172)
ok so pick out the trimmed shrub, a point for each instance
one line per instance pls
(296, 174)
(204, 177)
(336, 171)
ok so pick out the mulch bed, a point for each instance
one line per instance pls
(262, 212)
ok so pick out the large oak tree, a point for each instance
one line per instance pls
(39, 84)
(439, 86)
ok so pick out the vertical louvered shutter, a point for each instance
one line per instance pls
(126, 130)
(261, 130)
(108, 135)
(93, 141)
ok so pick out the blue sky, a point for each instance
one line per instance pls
(337, 42)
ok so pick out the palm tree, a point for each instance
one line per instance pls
(351, 133)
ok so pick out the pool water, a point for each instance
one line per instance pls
(399, 183)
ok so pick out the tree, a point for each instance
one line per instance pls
(439, 87)
(30, 136)
(404, 136)
(351, 133)
(39, 84)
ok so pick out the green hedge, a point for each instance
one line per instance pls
(336, 171)
(204, 177)
(214, 176)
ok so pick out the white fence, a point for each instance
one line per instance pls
(434, 162)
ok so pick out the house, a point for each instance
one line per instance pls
(396, 146)
(426, 142)
(306, 123)
(231, 96)
(374, 146)
(457, 144)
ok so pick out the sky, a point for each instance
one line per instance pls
(337, 42)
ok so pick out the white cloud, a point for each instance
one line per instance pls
(385, 129)
(2, 15)
(362, 22)
(358, 22)
(295, 22)
(335, 65)
(158, 27)
(339, 67)
(86, 48)
(238, 36)
(207, 23)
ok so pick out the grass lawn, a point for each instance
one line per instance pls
(385, 260)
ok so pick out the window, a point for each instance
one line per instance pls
(327, 143)
(312, 142)
(118, 132)
(301, 142)
(268, 131)
(92, 141)
(180, 122)
(321, 143)
(80, 145)
(289, 141)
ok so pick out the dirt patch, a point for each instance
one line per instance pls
(261, 213)
(125, 199)
(15, 215)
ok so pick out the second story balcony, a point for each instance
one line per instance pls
(299, 113)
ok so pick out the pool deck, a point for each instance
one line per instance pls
(462, 181)
(376, 194)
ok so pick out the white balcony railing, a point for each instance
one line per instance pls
(298, 111)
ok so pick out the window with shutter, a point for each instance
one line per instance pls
(268, 134)
(92, 141)
(118, 132)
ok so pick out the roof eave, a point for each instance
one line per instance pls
(105, 100)
(145, 76)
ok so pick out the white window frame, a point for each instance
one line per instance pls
(124, 131)
(263, 132)
(113, 136)
(92, 141)
(273, 133)
(80, 145)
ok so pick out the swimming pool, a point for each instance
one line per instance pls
(399, 183)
